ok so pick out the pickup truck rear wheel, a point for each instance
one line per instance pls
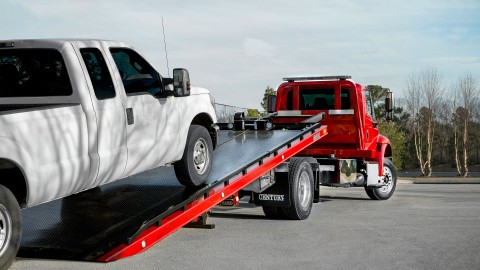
(196, 163)
(300, 180)
(390, 177)
(10, 227)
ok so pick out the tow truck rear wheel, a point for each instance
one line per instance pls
(10, 227)
(300, 181)
(390, 178)
(196, 163)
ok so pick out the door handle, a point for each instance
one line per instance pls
(130, 118)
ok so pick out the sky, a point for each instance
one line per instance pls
(238, 48)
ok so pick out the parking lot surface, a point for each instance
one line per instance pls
(420, 227)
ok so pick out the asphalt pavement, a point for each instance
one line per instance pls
(420, 227)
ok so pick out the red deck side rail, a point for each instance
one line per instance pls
(192, 211)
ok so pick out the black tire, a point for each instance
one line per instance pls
(273, 212)
(300, 181)
(196, 163)
(390, 176)
(10, 227)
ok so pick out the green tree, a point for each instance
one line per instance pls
(268, 92)
(396, 136)
(379, 94)
(253, 112)
(392, 130)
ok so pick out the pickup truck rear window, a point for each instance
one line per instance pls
(33, 73)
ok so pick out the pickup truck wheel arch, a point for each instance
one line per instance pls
(10, 227)
(206, 121)
(13, 178)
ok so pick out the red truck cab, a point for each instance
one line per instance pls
(348, 114)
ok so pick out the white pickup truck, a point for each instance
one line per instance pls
(76, 114)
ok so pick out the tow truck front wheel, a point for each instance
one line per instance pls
(301, 189)
(390, 178)
(10, 227)
(196, 163)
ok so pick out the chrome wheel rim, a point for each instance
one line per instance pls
(388, 179)
(5, 229)
(201, 158)
(304, 190)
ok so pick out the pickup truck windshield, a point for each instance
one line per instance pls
(33, 73)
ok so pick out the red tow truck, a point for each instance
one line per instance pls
(357, 154)
(279, 161)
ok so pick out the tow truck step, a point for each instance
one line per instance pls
(104, 223)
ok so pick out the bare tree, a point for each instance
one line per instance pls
(433, 91)
(413, 101)
(468, 91)
(455, 125)
(424, 95)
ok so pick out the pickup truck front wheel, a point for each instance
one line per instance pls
(196, 163)
(10, 227)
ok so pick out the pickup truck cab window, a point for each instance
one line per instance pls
(98, 72)
(33, 73)
(138, 76)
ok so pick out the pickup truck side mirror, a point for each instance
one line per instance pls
(181, 82)
(389, 106)
(272, 100)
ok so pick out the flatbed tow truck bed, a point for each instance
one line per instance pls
(128, 216)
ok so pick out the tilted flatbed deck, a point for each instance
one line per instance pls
(125, 217)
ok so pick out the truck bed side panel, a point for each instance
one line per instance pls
(55, 141)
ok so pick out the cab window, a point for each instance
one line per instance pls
(345, 99)
(138, 76)
(369, 105)
(33, 73)
(98, 72)
(317, 99)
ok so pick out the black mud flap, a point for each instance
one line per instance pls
(277, 195)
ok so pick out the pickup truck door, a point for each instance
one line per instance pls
(153, 120)
(109, 112)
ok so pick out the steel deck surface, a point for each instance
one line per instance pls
(84, 226)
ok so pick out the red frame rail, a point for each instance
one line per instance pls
(193, 210)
